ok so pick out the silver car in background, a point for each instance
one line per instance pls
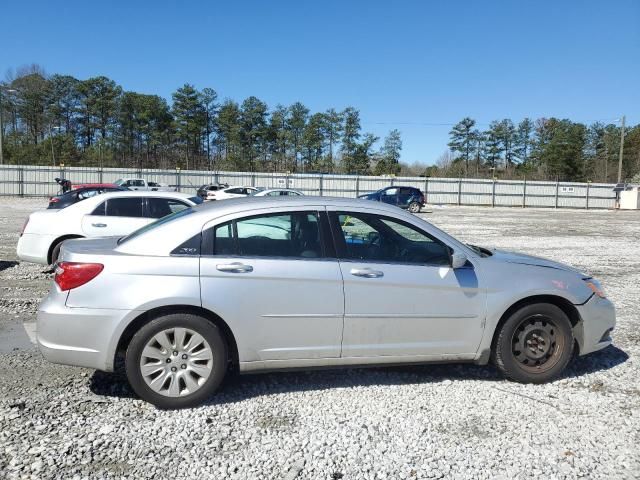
(294, 282)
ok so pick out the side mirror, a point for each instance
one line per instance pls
(458, 260)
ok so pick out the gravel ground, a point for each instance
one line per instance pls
(444, 421)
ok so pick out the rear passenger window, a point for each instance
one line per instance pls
(294, 234)
(124, 207)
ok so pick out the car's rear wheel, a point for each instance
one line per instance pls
(176, 360)
(414, 207)
(535, 344)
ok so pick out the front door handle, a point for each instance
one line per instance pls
(99, 225)
(366, 272)
(234, 268)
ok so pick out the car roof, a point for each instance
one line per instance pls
(136, 193)
(234, 205)
(276, 189)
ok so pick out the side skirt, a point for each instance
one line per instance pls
(320, 363)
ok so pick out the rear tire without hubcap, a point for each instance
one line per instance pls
(535, 344)
(414, 207)
(176, 361)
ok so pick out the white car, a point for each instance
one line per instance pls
(278, 192)
(230, 192)
(106, 215)
(142, 184)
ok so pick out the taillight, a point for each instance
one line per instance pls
(24, 227)
(74, 274)
(54, 200)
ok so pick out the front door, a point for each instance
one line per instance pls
(390, 196)
(401, 296)
(272, 280)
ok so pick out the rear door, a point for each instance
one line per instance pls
(272, 276)
(405, 194)
(115, 217)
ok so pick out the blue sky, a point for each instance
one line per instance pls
(406, 65)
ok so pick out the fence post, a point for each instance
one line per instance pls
(253, 179)
(557, 191)
(524, 193)
(321, 183)
(101, 175)
(392, 181)
(177, 179)
(21, 180)
(215, 178)
(426, 189)
(357, 186)
(493, 193)
(587, 196)
(459, 191)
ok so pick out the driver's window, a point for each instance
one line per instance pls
(389, 192)
(382, 239)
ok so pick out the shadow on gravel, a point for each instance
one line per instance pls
(4, 264)
(239, 387)
(605, 359)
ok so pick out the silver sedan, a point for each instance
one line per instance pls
(295, 282)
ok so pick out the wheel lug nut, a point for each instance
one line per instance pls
(174, 369)
(175, 354)
(168, 360)
(183, 366)
(184, 356)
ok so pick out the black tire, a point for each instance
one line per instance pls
(200, 325)
(414, 207)
(55, 253)
(535, 344)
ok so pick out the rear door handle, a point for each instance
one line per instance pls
(99, 225)
(366, 273)
(234, 268)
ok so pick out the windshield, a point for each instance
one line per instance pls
(119, 182)
(157, 223)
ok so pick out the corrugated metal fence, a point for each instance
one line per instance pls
(39, 181)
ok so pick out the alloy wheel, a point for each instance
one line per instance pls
(176, 362)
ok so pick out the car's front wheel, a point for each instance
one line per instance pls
(535, 344)
(176, 360)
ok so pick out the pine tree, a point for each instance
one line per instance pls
(461, 142)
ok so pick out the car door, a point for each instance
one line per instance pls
(272, 277)
(115, 217)
(390, 196)
(405, 194)
(401, 296)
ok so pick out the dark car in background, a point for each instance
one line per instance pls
(410, 198)
(79, 194)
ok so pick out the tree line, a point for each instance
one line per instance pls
(547, 148)
(53, 119)
(95, 122)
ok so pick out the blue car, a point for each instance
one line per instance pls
(409, 198)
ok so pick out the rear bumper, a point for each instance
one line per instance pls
(34, 248)
(81, 337)
(598, 319)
